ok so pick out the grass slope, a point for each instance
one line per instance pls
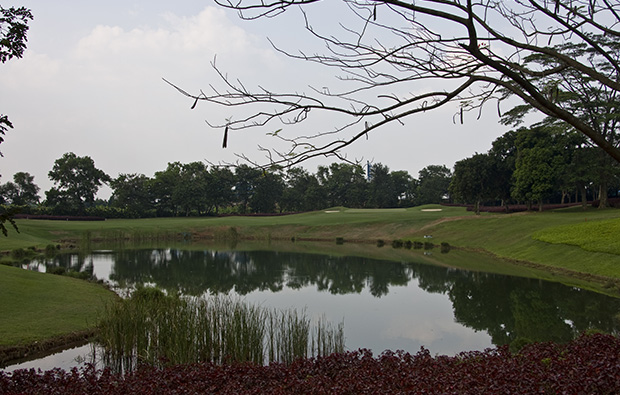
(37, 306)
(573, 240)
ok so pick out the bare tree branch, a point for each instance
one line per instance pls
(385, 50)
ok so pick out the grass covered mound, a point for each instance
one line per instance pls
(38, 306)
(595, 236)
(589, 364)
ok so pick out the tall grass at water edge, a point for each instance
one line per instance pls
(156, 329)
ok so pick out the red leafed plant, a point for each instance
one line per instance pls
(590, 365)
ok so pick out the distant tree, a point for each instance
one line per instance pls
(472, 181)
(268, 190)
(246, 180)
(405, 186)
(382, 190)
(302, 191)
(221, 184)
(539, 164)
(163, 186)
(503, 154)
(191, 190)
(22, 191)
(433, 184)
(344, 183)
(77, 181)
(132, 192)
(582, 171)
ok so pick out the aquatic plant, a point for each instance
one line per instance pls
(158, 329)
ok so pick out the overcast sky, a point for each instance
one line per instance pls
(91, 83)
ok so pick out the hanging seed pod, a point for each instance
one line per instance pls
(225, 142)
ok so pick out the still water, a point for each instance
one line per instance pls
(385, 304)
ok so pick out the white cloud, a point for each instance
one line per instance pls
(33, 70)
(209, 31)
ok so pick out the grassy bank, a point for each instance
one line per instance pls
(571, 239)
(37, 309)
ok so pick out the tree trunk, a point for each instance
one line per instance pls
(540, 205)
(584, 196)
(477, 207)
(602, 193)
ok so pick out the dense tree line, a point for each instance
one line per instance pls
(541, 164)
(196, 189)
(544, 163)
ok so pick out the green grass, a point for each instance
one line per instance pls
(512, 237)
(597, 236)
(38, 306)
(329, 223)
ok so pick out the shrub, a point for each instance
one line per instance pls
(587, 365)
(397, 244)
(57, 270)
(19, 254)
(51, 250)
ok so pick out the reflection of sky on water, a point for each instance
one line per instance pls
(66, 359)
(405, 319)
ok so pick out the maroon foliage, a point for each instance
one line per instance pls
(589, 364)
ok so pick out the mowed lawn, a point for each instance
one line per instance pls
(38, 306)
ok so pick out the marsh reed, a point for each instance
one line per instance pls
(157, 329)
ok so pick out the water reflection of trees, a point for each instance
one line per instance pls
(69, 262)
(505, 307)
(197, 272)
(512, 307)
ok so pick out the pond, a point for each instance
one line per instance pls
(405, 303)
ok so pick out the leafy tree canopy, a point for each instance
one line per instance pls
(77, 180)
